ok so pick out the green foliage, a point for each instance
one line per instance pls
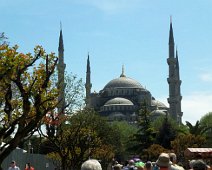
(145, 136)
(167, 132)
(197, 129)
(125, 131)
(74, 100)
(206, 121)
(184, 141)
(85, 135)
(3, 39)
(26, 94)
(74, 93)
(154, 151)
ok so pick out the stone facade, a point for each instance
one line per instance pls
(122, 98)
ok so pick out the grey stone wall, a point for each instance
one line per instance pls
(38, 161)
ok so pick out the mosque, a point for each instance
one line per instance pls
(122, 97)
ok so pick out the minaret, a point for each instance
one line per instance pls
(88, 84)
(61, 72)
(178, 90)
(172, 77)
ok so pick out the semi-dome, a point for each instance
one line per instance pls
(157, 113)
(158, 104)
(118, 101)
(123, 82)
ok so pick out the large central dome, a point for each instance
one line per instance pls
(123, 82)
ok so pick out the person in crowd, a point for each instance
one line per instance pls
(125, 166)
(139, 165)
(154, 166)
(29, 167)
(174, 165)
(13, 166)
(163, 161)
(131, 165)
(114, 163)
(191, 163)
(91, 164)
(199, 165)
(117, 167)
(148, 165)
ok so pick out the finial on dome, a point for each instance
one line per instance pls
(122, 74)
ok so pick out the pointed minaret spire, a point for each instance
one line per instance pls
(61, 47)
(88, 64)
(61, 74)
(122, 73)
(88, 84)
(171, 36)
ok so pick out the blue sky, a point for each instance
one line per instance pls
(133, 33)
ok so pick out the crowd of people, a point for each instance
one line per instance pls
(164, 162)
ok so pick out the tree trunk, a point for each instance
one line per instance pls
(0, 165)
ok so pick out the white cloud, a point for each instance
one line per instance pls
(206, 77)
(194, 105)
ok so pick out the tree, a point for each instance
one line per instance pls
(126, 132)
(74, 93)
(3, 39)
(84, 135)
(197, 129)
(167, 133)
(206, 121)
(26, 94)
(74, 98)
(154, 151)
(145, 136)
(184, 141)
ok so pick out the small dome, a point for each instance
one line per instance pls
(123, 82)
(157, 113)
(117, 116)
(158, 104)
(118, 101)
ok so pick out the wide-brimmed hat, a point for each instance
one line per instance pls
(163, 160)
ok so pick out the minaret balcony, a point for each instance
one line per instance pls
(172, 100)
(172, 80)
(171, 61)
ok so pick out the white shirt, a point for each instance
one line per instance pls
(14, 168)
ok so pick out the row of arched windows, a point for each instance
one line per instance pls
(117, 107)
